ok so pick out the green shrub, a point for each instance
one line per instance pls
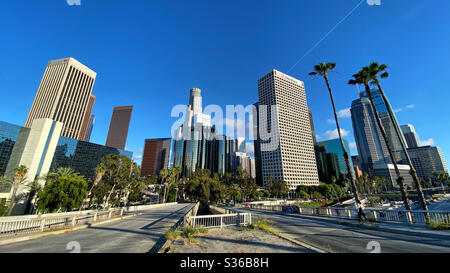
(440, 225)
(172, 234)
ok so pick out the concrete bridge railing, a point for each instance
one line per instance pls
(25, 224)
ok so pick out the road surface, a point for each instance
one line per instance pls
(137, 234)
(334, 237)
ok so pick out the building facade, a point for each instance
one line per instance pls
(330, 160)
(427, 160)
(118, 128)
(42, 149)
(411, 137)
(86, 129)
(156, 156)
(83, 157)
(289, 153)
(63, 95)
(372, 149)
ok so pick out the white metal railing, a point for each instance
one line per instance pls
(399, 216)
(42, 223)
(24, 224)
(221, 220)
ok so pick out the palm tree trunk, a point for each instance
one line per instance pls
(388, 145)
(346, 157)
(13, 197)
(405, 151)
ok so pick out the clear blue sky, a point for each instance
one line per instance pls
(150, 53)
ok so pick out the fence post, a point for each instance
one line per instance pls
(221, 221)
(249, 218)
(74, 220)
(374, 214)
(95, 216)
(408, 217)
(300, 210)
(42, 224)
(109, 215)
(121, 212)
(349, 214)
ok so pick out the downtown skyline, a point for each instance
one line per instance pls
(132, 73)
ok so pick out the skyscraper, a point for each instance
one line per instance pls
(331, 161)
(427, 160)
(63, 95)
(156, 156)
(367, 135)
(388, 125)
(118, 128)
(313, 131)
(87, 119)
(289, 153)
(90, 127)
(411, 137)
(375, 159)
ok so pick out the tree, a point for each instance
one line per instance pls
(317, 196)
(99, 172)
(64, 191)
(323, 69)
(303, 195)
(20, 173)
(376, 70)
(276, 187)
(441, 177)
(364, 77)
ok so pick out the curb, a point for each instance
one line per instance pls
(302, 244)
(375, 225)
(307, 246)
(66, 230)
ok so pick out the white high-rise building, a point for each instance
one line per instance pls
(63, 95)
(292, 159)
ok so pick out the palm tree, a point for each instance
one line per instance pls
(322, 69)
(19, 178)
(164, 173)
(376, 69)
(363, 77)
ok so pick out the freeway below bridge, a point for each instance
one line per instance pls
(137, 234)
(331, 236)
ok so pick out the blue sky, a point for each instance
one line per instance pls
(149, 53)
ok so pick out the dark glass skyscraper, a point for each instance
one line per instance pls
(388, 125)
(83, 157)
(330, 160)
(367, 135)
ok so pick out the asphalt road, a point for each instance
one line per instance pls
(133, 235)
(334, 237)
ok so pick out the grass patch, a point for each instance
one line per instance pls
(439, 225)
(189, 234)
(262, 224)
(172, 234)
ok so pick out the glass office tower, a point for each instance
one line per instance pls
(83, 157)
(388, 125)
(331, 161)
